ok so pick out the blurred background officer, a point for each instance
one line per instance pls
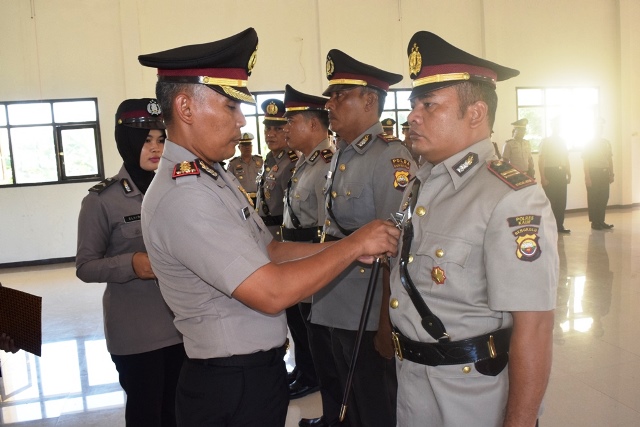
(304, 214)
(478, 261)
(278, 167)
(225, 277)
(368, 175)
(388, 126)
(407, 143)
(247, 167)
(517, 151)
(598, 175)
(555, 172)
(138, 326)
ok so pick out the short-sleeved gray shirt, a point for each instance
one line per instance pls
(204, 240)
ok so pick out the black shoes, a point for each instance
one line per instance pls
(299, 389)
(315, 422)
(563, 230)
(601, 226)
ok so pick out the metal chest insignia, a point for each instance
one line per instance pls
(527, 245)
(126, 186)
(438, 275)
(185, 168)
(243, 191)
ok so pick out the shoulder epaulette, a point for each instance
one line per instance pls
(235, 158)
(509, 175)
(258, 156)
(99, 187)
(293, 156)
(326, 155)
(185, 168)
(388, 138)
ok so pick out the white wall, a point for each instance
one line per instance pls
(89, 48)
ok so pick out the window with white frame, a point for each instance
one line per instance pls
(576, 107)
(49, 142)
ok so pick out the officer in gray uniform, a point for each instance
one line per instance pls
(138, 326)
(517, 150)
(598, 175)
(388, 126)
(218, 267)
(279, 165)
(474, 289)
(247, 167)
(304, 215)
(368, 175)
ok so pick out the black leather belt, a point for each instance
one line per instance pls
(302, 234)
(470, 350)
(330, 238)
(259, 358)
(272, 220)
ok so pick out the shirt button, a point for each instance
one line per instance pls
(410, 259)
(439, 253)
(466, 370)
(342, 167)
(297, 196)
(362, 270)
(327, 222)
(421, 211)
(348, 193)
(295, 179)
(394, 303)
(334, 194)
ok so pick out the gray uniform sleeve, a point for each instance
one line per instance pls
(94, 236)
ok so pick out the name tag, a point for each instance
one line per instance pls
(245, 213)
(132, 218)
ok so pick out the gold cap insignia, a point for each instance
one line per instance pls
(415, 61)
(252, 61)
(272, 109)
(330, 66)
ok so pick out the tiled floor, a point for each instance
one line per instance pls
(595, 378)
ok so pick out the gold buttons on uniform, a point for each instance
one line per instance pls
(410, 259)
(327, 222)
(466, 370)
(334, 194)
(393, 303)
(420, 211)
(295, 179)
(439, 253)
(297, 196)
(267, 169)
(348, 193)
(343, 167)
(361, 270)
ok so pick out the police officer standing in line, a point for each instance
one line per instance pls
(473, 291)
(247, 167)
(218, 267)
(388, 126)
(517, 150)
(555, 172)
(279, 164)
(368, 175)
(407, 143)
(598, 175)
(304, 214)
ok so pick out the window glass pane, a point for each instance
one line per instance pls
(3, 115)
(5, 158)
(76, 111)
(403, 99)
(34, 154)
(29, 114)
(536, 126)
(530, 96)
(390, 102)
(558, 96)
(247, 109)
(79, 148)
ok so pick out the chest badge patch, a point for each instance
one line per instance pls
(401, 173)
(463, 166)
(438, 275)
(527, 246)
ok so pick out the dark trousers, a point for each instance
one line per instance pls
(249, 395)
(598, 194)
(556, 192)
(372, 401)
(302, 352)
(150, 380)
(331, 390)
